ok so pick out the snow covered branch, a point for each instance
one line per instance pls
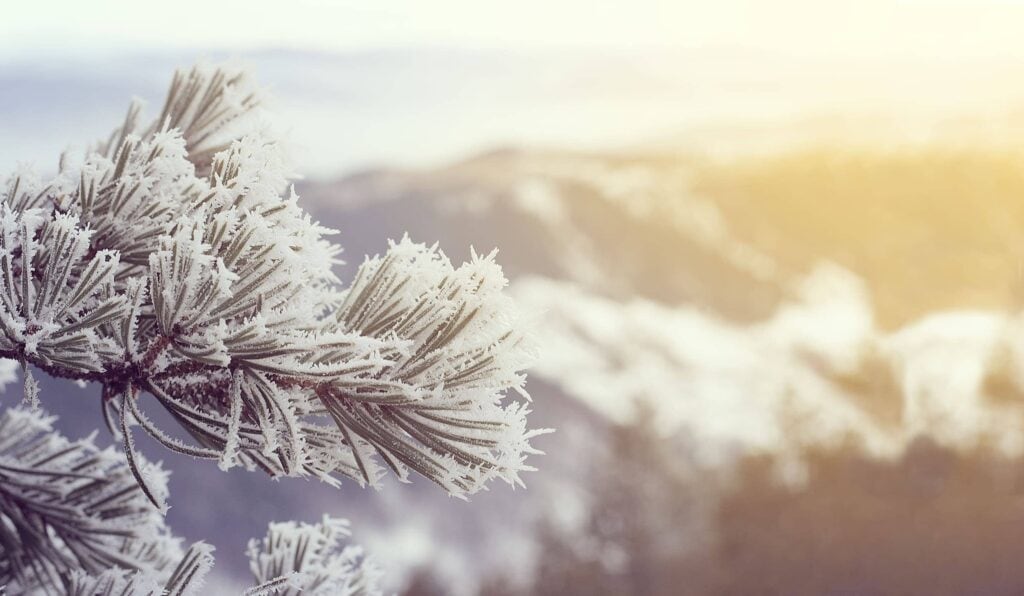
(74, 522)
(68, 506)
(297, 559)
(175, 262)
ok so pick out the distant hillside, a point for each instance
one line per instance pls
(622, 226)
(927, 229)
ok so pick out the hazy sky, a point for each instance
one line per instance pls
(855, 28)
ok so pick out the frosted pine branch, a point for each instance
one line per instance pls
(437, 409)
(73, 521)
(293, 559)
(70, 507)
(175, 267)
(185, 579)
(296, 559)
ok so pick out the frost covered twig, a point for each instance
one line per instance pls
(296, 559)
(68, 506)
(174, 262)
(74, 522)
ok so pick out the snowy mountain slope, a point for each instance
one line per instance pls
(816, 373)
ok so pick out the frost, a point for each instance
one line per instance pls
(31, 390)
(298, 559)
(73, 513)
(70, 506)
(185, 579)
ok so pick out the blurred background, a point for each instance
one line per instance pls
(775, 251)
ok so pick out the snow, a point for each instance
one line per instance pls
(776, 386)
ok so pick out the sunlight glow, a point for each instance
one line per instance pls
(867, 28)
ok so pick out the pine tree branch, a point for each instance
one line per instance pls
(175, 261)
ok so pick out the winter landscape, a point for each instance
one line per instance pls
(772, 298)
